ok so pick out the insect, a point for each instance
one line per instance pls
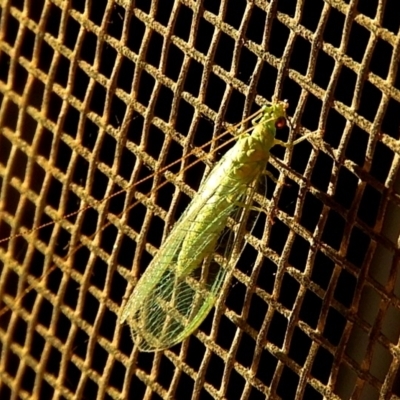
(183, 281)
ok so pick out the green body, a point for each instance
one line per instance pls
(182, 283)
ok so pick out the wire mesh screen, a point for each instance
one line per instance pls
(102, 97)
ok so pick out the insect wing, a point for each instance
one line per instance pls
(169, 303)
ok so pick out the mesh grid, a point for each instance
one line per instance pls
(98, 95)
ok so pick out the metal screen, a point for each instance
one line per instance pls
(102, 96)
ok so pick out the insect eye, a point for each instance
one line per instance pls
(280, 123)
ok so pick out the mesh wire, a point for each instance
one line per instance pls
(97, 95)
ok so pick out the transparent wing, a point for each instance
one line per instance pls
(169, 303)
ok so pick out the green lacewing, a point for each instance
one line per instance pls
(183, 281)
